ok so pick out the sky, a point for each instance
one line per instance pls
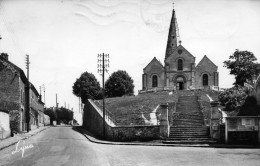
(64, 37)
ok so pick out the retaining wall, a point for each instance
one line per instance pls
(93, 122)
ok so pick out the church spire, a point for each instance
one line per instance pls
(172, 36)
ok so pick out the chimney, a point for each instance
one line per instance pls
(4, 56)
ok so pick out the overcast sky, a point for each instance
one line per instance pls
(63, 37)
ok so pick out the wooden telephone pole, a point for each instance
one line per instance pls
(103, 64)
(27, 96)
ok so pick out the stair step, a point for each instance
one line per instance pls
(186, 131)
(189, 132)
(183, 127)
(188, 138)
(188, 135)
(189, 142)
(186, 124)
(189, 120)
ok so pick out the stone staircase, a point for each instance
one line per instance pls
(188, 122)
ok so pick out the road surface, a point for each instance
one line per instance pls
(63, 146)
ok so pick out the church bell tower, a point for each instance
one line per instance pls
(172, 36)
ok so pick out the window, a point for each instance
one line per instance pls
(154, 81)
(205, 80)
(180, 64)
(179, 51)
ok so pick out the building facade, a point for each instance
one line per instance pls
(179, 70)
(12, 96)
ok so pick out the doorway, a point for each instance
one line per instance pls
(180, 83)
(180, 86)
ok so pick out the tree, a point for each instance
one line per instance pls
(232, 99)
(250, 107)
(87, 87)
(242, 64)
(119, 84)
(51, 113)
(64, 115)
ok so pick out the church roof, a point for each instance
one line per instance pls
(207, 60)
(154, 60)
(182, 48)
(172, 36)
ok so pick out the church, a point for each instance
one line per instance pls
(179, 71)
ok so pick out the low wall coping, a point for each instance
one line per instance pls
(136, 126)
(242, 117)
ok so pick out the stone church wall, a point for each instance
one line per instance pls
(151, 70)
(206, 68)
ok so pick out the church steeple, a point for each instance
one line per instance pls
(172, 36)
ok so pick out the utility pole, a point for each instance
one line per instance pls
(103, 64)
(0, 39)
(57, 104)
(43, 86)
(27, 96)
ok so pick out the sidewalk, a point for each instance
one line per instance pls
(21, 136)
(93, 139)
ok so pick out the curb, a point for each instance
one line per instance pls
(167, 145)
(24, 138)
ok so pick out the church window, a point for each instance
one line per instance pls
(154, 81)
(180, 64)
(205, 80)
(179, 51)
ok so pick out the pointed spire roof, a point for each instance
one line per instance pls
(172, 36)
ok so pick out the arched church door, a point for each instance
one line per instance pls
(180, 83)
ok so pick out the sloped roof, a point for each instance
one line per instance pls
(15, 69)
(184, 49)
(153, 60)
(205, 58)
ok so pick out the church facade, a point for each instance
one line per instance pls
(179, 70)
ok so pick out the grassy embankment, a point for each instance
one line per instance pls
(131, 110)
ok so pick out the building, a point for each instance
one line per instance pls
(12, 96)
(36, 108)
(179, 70)
(12, 91)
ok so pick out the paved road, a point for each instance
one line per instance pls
(64, 146)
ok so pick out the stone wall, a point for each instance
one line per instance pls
(12, 94)
(243, 137)
(15, 120)
(93, 122)
(9, 90)
(153, 68)
(206, 67)
(132, 133)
